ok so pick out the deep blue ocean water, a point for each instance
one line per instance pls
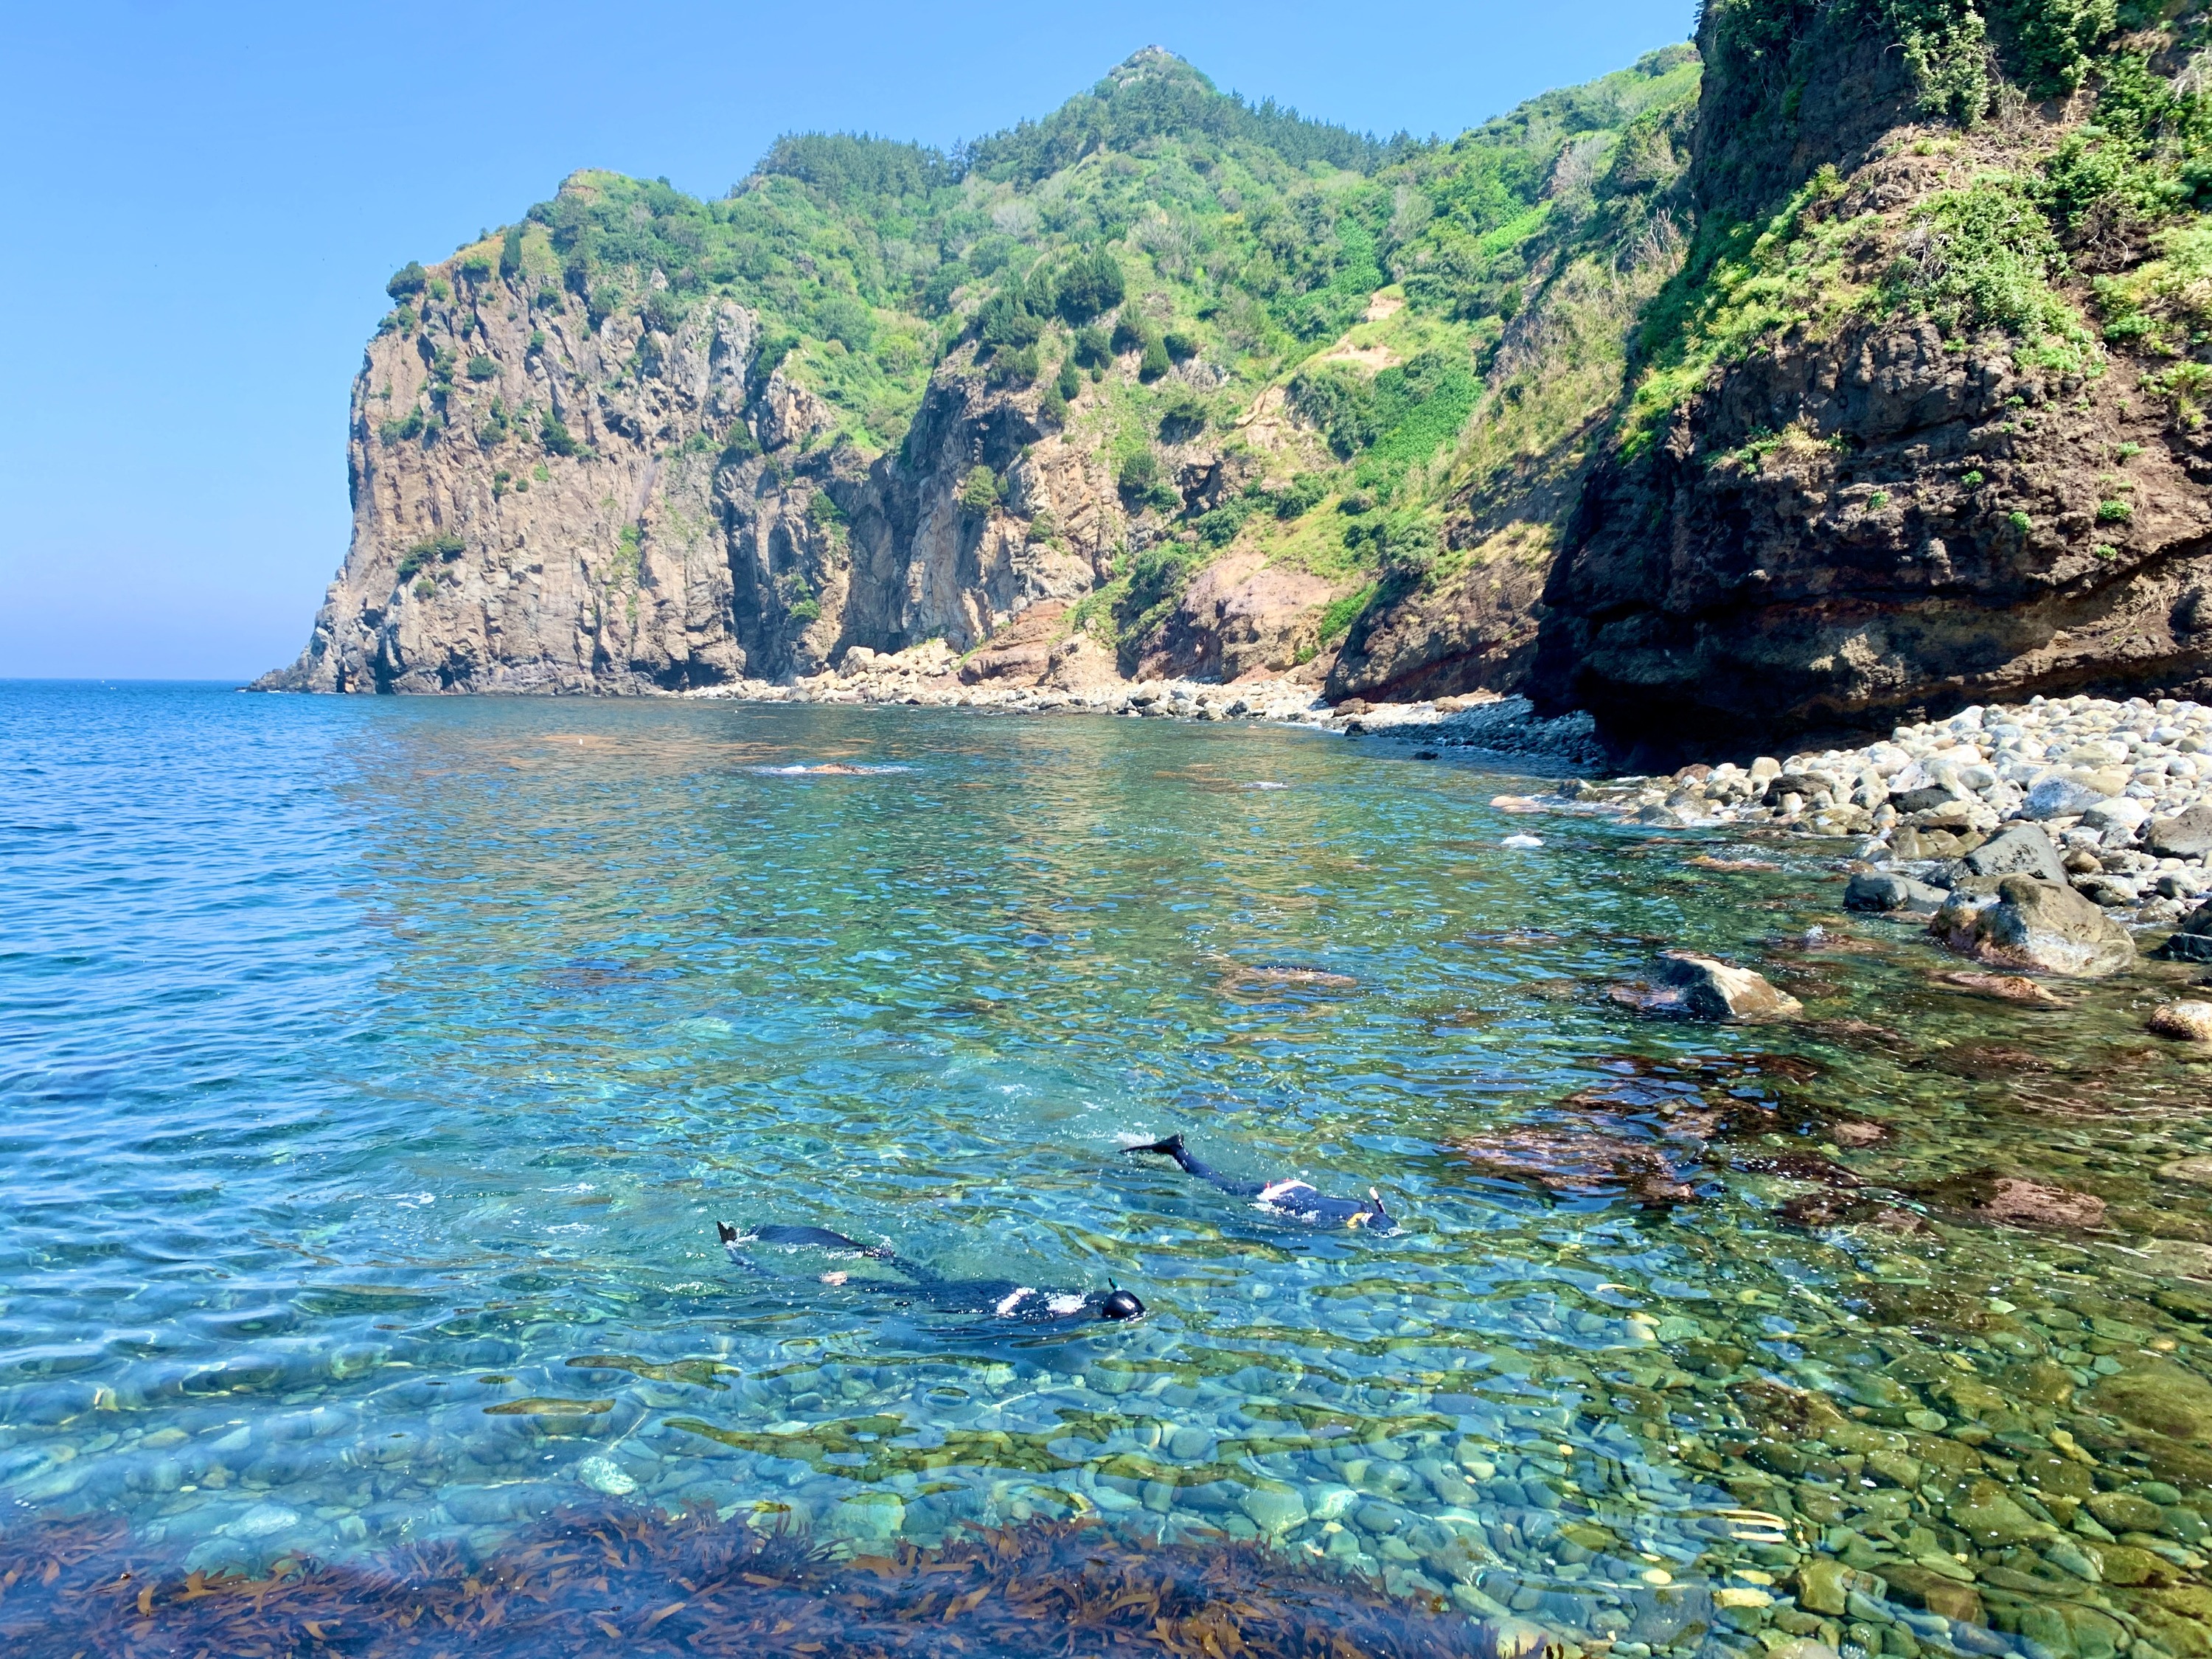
(374, 1073)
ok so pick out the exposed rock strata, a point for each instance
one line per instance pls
(709, 526)
(1861, 522)
(1872, 565)
(712, 527)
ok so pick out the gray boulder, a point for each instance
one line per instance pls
(2111, 892)
(1881, 891)
(2060, 797)
(2117, 817)
(2019, 849)
(1924, 799)
(2035, 927)
(2187, 835)
(2192, 940)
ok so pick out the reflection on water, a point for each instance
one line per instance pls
(375, 1074)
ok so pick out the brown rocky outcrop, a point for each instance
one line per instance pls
(1872, 562)
(1869, 515)
(1473, 629)
(1240, 615)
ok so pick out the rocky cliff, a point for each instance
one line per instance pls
(1163, 385)
(1850, 365)
(1915, 427)
(623, 509)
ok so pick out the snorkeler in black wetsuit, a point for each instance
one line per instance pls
(995, 1298)
(1293, 1199)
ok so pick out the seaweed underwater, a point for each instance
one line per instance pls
(649, 1582)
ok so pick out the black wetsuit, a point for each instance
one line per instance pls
(1293, 1199)
(998, 1300)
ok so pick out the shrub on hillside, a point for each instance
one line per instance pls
(1337, 402)
(662, 311)
(430, 549)
(1092, 284)
(1007, 320)
(978, 490)
(1015, 368)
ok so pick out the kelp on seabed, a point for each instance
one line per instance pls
(646, 1582)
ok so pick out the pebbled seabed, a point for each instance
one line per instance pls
(372, 1073)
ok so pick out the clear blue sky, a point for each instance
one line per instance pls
(209, 197)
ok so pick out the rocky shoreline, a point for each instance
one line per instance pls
(2107, 803)
(2111, 800)
(931, 676)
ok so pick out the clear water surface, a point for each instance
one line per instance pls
(372, 1075)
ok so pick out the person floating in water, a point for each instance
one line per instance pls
(1294, 1199)
(996, 1298)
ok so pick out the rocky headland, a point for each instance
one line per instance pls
(1844, 370)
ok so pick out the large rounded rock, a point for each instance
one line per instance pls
(2185, 1022)
(2160, 1396)
(2035, 927)
(2060, 798)
(2013, 1200)
(1982, 1510)
(1273, 1507)
(1705, 987)
(1881, 891)
(2186, 834)
(2117, 813)
(2020, 849)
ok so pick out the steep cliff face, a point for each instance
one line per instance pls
(1955, 547)
(1852, 364)
(619, 509)
(1879, 459)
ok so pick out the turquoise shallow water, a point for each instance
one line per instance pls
(373, 1074)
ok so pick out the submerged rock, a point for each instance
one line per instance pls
(2008, 988)
(2160, 1396)
(1513, 1638)
(2035, 925)
(1882, 891)
(1577, 1163)
(2187, 1022)
(2013, 1200)
(1247, 982)
(2192, 940)
(1705, 987)
(1273, 1507)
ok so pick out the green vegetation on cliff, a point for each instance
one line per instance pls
(2039, 216)
(1155, 256)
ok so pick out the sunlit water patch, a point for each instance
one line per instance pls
(376, 1073)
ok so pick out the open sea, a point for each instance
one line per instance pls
(373, 1074)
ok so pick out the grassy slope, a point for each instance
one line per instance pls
(1247, 243)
